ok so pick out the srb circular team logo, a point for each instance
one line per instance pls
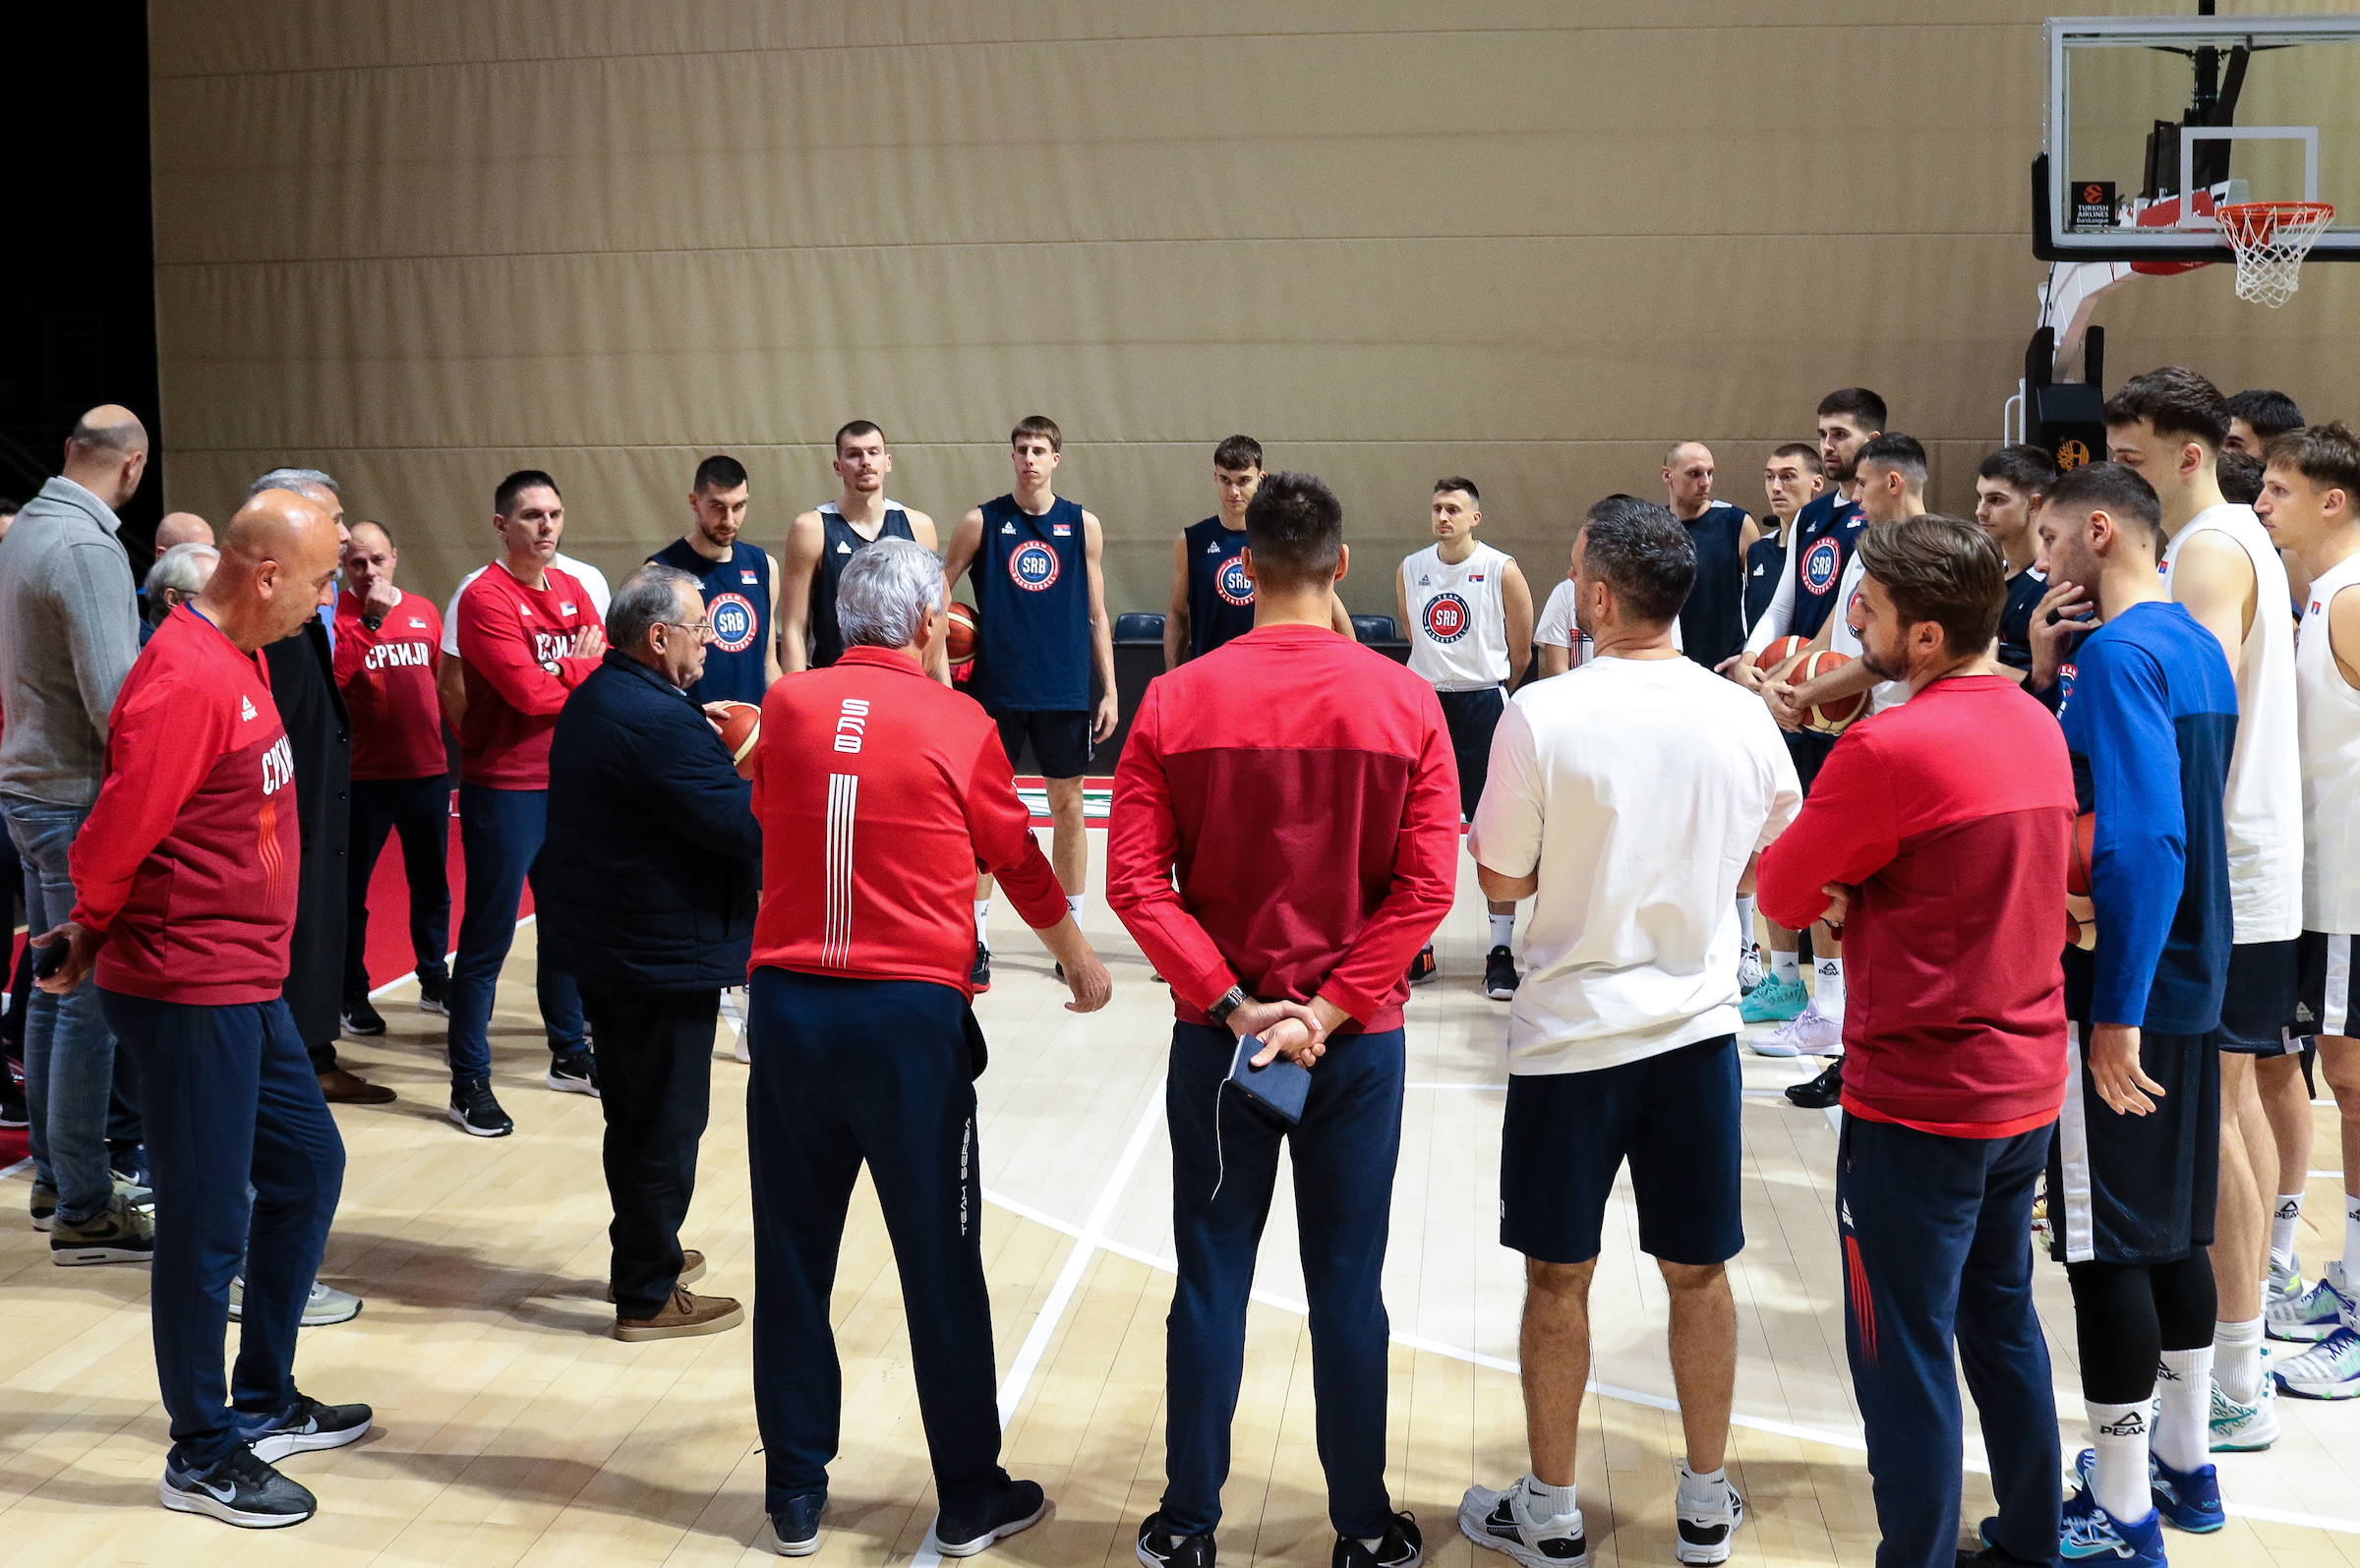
(1820, 564)
(1446, 617)
(1034, 566)
(732, 618)
(1232, 583)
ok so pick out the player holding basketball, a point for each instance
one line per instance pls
(2009, 488)
(1213, 598)
(1040, 598)
(2219, 562)
(1793, 477)
(1712, 622)
(1469, 617)
(2151, 723)
(822, 542)
(2311, 504)
(740, 585)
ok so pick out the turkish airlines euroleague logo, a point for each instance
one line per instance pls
(732, 618)
(1447, 618)
(1232, 583)
(1033, 566)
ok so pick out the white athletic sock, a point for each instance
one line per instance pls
(1786, 968)
(2237, 1360)
(2283, 1221)
(2118, 1480)
(1703, 1489)
(1539, 1504)
(2184, 1409)
(2351, 1242)
(1073, 903)
(1745, 920)
(1828, 994)
(1504, 927)
(983, 919)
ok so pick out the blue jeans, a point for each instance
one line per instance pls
(1344, 1153)
(233, 1104)
(419, 809)
(69, 1054)
(499, 835)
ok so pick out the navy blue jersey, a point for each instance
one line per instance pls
(2150, 723)
(1220, 596)
(737, 602)
(1711, 623)
(2016, 619)
(1763, 563)
(839, 543)
(1825, 530)
(1032, 609)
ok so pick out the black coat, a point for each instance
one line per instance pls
(652, 866)
(320, 733)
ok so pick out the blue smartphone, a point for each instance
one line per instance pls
(1279, 1088)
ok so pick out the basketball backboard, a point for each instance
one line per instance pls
(2153, 121)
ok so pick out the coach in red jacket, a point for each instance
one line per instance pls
(879, 793)
(1300, 790)
(187, 873)
(1936, 835)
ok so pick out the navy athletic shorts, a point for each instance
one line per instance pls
(1060, 740)
(2137, 1190)
(2258, 1009)
(1471, 717)
(2324, 983)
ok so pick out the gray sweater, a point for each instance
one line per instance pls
(68, 634)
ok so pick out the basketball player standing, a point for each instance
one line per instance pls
(1040, 604)
(741, 586)
(1792, 477)
(1212, 597)
(1469, 618)
(1712, 621)
(2009, 488)
(820, 543)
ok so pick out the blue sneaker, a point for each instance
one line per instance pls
(796, 1525)
(2311, 1315)
(2329, 1369)
(2188, 1501)
(1774, 1000)
(2087, 1531)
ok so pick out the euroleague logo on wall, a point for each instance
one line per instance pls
(1820, 563)
(1034, 566)
(1232, 583)
(1447, 618)
(732, 618)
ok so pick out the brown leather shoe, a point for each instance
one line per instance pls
(350, 1088)
(692, 1269)
(685, 1315)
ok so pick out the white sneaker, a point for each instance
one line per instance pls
(1809, 1032)
(2312, 1316)
(2245, 1429)
(2284, 1281)
(1704, 1533)
(2329, 1369)
(1749, 969)
(1489, 1519)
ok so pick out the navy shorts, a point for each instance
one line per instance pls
(2258, 1007)
(1673, 1116)
(2138, 1189)
(1471, 717)
(1060, 740)
(2324, 983)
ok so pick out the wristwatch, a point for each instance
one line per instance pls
(1220, 1011)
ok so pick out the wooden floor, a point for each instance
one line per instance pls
(512, 1431)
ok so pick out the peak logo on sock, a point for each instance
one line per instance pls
(2131, 1423)
(2291, 1208)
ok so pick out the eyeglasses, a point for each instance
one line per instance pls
(701, 631)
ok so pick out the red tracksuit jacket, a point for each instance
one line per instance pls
(388, 677)
(519, 672)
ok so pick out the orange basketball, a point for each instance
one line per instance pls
(962, 634)
(1779, 651)
(1830, 718)
(741, 732)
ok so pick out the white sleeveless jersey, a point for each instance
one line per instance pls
(2265, 800)
(2330, 732)
(1458, 618)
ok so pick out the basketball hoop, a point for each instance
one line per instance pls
(2271, 240)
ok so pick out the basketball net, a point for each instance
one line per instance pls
(2271, 240)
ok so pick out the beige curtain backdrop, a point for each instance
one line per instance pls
(423, 243)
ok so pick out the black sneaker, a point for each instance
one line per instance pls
(362, 1019)
(309, 1426)
(981, 975)
(1021, 1506)
(241, 1490)
(1500, 975)
(1401, 1547)
(434, 996)
(796, 1525)
(13, 1112)
(1423, 969)
(476, 1112)
(1158, 1548)
(574, 1073)
(1822, 1091)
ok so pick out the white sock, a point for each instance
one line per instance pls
(1504, 926)
(2351, 1241)
(1706, 1487)
(1539, 1504)
(1745, 920)
(2237, 1360)
(1828, 994)
(2184, 1409)
(1074, 902)
(1786, 968)
(2118, 1480)
(983, 919)
(2283, 1221)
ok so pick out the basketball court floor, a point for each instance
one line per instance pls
(512, 1431)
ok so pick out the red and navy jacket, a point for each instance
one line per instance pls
(188, 862)
(387, 677)
(1954, 1011)
(880, 791)
(1301, 790)
(518, 643)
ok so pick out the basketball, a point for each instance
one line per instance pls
(741, 732)
(1779, 651)
(962, 634)
(1830, 718)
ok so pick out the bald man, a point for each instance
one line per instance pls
(71, 636)
(181, 528)
(1711, 623)
(196, 820)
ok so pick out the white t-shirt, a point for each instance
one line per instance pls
(2330, 732)
(1557, 628)
(1842, 639)
(1458, 618)
(593, 581)
(1639, 789)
